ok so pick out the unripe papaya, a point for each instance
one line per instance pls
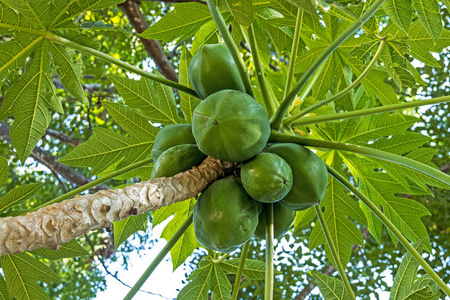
(283, 218)
(231, 126)
(224, 216)
(212, 69)
(266, 177)
(309, 173)
(177, 159)
(172, 135)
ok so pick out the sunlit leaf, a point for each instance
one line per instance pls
(67, 250)
(125, 228)
(331, 288)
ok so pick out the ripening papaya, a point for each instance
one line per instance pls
(283, 218)
(172, 135)
(212, 69)
(230, 125)
(309, 173)
(225, 217)
(177, 159)
(266, 177)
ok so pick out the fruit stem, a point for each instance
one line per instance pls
(220, 259)
(223, 29)
(288, 122)
(95, 183)
(120, 63)
(269, 103)
(268, 292)
(277, 118)
(172, 241)
(294, 51)
(334, 252)
(387, 156)
(237, 281)
(369, 111)
(391, 227)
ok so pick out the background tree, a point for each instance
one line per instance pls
(77, 109)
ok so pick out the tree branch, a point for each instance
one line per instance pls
(137, 20)
(56, 224)
(62, 137)
(48, 160)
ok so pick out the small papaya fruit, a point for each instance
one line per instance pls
(172, 135)
(283, 218)
(212, 69)
(309, 173)
(224, 216)
(177, 159)
(266, 177)
(230, 125)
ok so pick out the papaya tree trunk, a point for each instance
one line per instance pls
(58, 223)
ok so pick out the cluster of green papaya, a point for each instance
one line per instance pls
(232, 126)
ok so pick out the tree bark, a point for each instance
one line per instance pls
(137, 20)
(56, 224)
(48, 160)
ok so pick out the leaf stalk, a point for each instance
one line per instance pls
(237, 280)
(96, 182)
(269, 102)
(277, 118)
(387, 156)
(294, 51)
(120, 63)
(369, 111)
(223, 29)
(334, 252)
(268, 285)
(172, 241)
(288, 122)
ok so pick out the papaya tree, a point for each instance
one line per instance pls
(265, 114)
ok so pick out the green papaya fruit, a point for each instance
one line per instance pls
(231, 126)
(212, 69)
(177, 159)
(224, 216)
(283, 218)
(266, 177)
(172, 135)
(309, 173)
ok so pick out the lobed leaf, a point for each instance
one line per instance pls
(188, 102)
(19, 195)
(67, 250)
(3, 289)
(253, 269)
(241, 10)
(104, 148)
(152, 100)
(68, 71)
(338, 207)
(208, 277)
(3, 171)
(331, 288)
(179, 24)
(400, 12)
(125, 228)
(429, 15)
(187, 242)
(22, 273)
(406, 275)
